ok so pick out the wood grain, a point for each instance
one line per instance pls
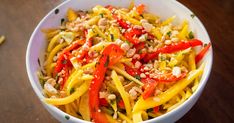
(19, 103)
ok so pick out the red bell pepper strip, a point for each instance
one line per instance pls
(202, 53)
(139, 46)
(121, 104)
(130, 35)
(65, 55)
(151, 83)
(156, 109)
(122, 23)
(103, 102)
(110, 55)
(173, 48)
(149, 87)
(140, 9)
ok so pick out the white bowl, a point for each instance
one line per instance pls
(163, 8)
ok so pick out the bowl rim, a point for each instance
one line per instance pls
(60, 113)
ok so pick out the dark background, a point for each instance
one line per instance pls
(18, 102)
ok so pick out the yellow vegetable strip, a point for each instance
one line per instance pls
(100, 33)
(90, 65)
(151, 102)
(110, 119)
(192, 65)
(71, 15)
(122, 92)
(169, 20)
(51, 56)
(100, 46)
(75, 80)
(124, 117)
(62, 101)
(156, 32)
(84, 107)
(53, 41)
(139, 116)
(92, 21)
(183, 33)
(125, 74)
(70, 77)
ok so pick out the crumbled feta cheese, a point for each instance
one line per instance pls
(176, 71)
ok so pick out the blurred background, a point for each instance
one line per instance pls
(19, 104)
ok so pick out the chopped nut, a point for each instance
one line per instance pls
(167, 42)
(147, 26)
(119, 42)
(51, 81)
(102, 22)
(103, 94)
(111, 96)
(49, 88)
(125, 46)
(131, 52)
(142, 75)
(137, 64)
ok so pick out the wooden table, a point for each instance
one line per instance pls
(18, 102)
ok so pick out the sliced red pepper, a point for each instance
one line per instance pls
(61, 61)
(110, 7)
(121, 104)
(139, 46)
(202, 53)
(140, 9)
(149, 87)
(111, 52)
(169, 77)
(103, 102)
(156, 109)
(73, 46)
(132, 71)
(175, 47)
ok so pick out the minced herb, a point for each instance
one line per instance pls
(191, 35)
(72, 90)
(107, 62)
(101, 15)
(137, 77)
(64, 62)
(112, 37)
(169, 33)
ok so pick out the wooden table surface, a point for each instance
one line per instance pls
(18, 102)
